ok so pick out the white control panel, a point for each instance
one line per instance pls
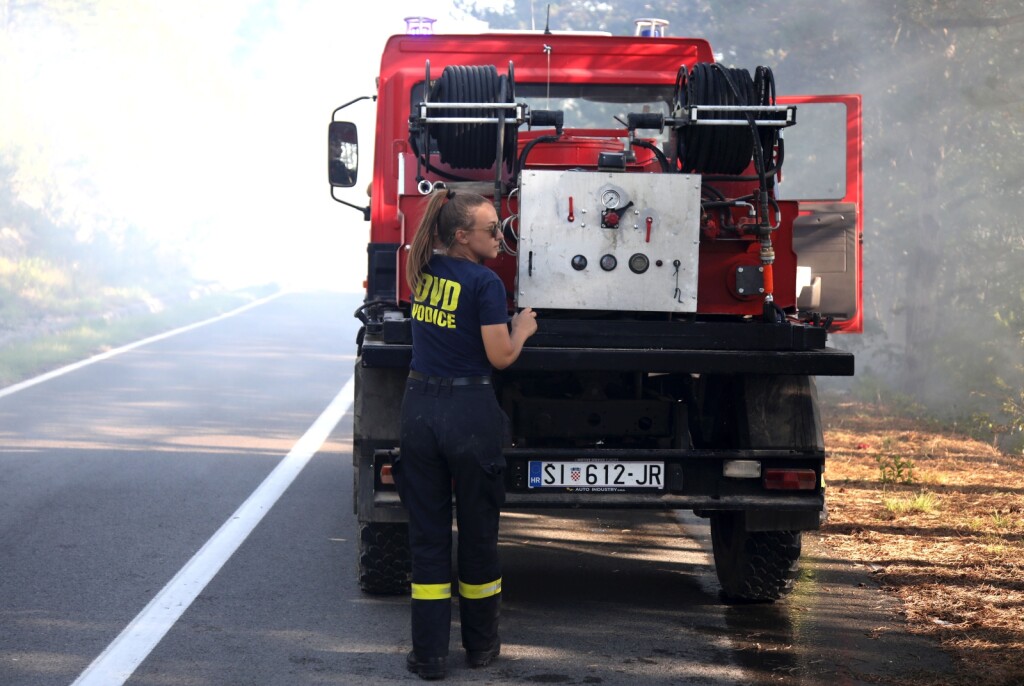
(608, 241)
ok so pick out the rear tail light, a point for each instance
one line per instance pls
(790, 479)
(386, 477)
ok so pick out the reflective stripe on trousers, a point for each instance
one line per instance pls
(478, 591)
(432, 591)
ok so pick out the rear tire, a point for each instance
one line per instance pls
(384, 562)
(753, 565)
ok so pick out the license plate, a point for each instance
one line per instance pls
(612, 476)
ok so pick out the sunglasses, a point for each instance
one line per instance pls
(494, 228)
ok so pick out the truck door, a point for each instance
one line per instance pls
(822, 170)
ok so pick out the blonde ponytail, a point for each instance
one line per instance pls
(422, 247)
(446, 213)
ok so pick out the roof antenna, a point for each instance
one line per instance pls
(547, 22)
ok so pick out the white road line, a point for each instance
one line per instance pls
(131, 346)
(123, 656)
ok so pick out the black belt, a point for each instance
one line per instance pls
(450, 381)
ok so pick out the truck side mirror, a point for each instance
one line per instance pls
(342, 154)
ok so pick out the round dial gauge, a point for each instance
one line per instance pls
(610, 199)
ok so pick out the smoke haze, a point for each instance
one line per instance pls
(200, 125)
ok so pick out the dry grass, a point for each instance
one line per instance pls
(940, 519)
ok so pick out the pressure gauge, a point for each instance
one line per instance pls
(610, 198)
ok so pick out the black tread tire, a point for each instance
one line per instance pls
(384, 563)
(753, 565)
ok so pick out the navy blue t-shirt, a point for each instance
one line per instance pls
(454, 299)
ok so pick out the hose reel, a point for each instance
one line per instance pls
(723, 100)
(730, 118)
(471, 113)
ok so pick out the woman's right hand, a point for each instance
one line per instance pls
(503, 343)
(524, 323)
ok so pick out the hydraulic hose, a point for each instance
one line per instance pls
(666, 167)
(521, 162)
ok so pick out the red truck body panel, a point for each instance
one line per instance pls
(396, 207)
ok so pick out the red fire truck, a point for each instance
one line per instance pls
(685, 283)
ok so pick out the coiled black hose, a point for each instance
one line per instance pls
(725, 149)
(472, 145)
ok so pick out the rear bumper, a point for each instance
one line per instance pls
(694, 481)
(823, 362)
(642, 501)
(652, 346)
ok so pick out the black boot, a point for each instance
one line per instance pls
(482, 658)
(427, 667)
(431, 624)
(480, 629)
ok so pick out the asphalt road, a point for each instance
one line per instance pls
(114, 475)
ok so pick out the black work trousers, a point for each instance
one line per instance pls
(452, 440)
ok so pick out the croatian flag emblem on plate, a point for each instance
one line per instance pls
(575, 474)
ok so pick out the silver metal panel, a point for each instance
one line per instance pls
(549, 240)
